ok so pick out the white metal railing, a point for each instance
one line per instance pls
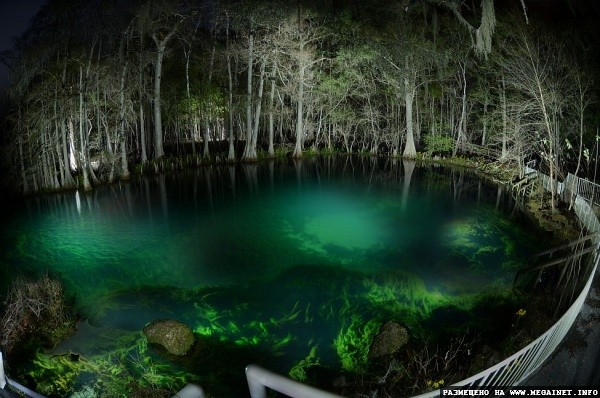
(190, 391)
(2, 376)
(259, 379)
(588, 190)
(4, 381)
(520, 365)
(581, 187)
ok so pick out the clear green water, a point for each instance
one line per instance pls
(285, 265)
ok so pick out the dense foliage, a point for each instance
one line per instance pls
(100, 86)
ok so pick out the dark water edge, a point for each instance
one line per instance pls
(475, 215)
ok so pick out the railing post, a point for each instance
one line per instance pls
(255, 385)
(191, 390)
(259, 379)
(2, 376)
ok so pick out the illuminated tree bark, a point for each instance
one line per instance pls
(257, 112)
(209, 105)
(122, 133)
(481, 37)
(231, 151)
(158, 133)
(249, 151)
(142, 122)
(461, 137)
(409, 150)
(83, 162)
(271, 149)
(161, 46)
(300, 110)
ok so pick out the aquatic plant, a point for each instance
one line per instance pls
(403, 295)
(210, 314)
(255, 332)
(487, 241)
(353, 341)
(298, 371)
(125, 372)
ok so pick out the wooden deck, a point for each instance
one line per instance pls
(485, 151)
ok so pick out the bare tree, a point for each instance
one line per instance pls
(32, 307)
(163, 22)
(534, 68)
(298, 42)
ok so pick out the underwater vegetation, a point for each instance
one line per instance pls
(127, 372)
(326, 319)
(353, 342)
(487, 240)
(404, 295)
(298, 279)
(298, 371)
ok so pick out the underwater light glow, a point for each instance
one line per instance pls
(345, 230)
(337, 226)
(350, 231)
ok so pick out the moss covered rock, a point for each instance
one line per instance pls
(388, 341)
(176, 337)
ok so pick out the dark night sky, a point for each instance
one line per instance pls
(15, 16)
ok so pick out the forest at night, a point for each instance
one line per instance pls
(101, 89)
(371, 197)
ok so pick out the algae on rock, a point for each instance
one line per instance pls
(176, 337)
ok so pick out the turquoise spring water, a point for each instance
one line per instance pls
(292, 266)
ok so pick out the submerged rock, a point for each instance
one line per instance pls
(388, 341)
(176, 337)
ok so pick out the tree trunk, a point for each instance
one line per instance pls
(504, 120)
(231, 153)
(190, 110)
(69, 182)
(82, 146)
(144, 156)
(21, 157)
(271, 106)
(124, 167)
(461, 137)
(206, 152)
(160, 53)
(299, 114)
(485, 109)
(143, 133)
(249, 153)
(261, 85)
(158, 133)
(409, 150)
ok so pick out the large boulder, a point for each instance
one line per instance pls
(176, 337)
(388, 341)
